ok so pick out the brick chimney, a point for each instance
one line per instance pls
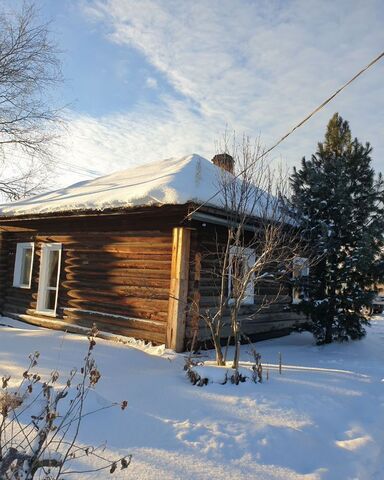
(225, 161)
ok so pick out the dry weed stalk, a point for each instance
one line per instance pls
(40, 422)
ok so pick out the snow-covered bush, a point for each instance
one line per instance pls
(40, 421)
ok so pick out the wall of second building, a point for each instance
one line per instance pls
(275, 319)
(114, 272)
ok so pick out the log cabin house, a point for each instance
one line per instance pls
(118, 251)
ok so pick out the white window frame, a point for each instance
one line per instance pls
(43, 278)
(17, 272)
(248, 254)
(303, 271)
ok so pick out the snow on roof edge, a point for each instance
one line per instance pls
(173, 181)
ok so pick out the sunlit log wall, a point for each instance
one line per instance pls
(115, 271)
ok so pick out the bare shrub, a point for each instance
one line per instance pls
(258, 246)
(40, 422)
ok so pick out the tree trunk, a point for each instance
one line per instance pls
(330, 315)
(219, 353)
(236, 337)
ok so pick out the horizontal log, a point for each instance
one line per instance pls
(272, 308)
(152, 303)
(211, 293)
(121, 223)
(206, 301)
(75, 258)
(124, 294)
(120, 248)
(265, 317)
(119, 289)
(101, 318)
(58, 324)
(123, 265)
(115, 308)
(251, 329)
(123, 272)
(107, 310)
(214, 281)
(146, 335)
(17, 302)
(132, 281)
(19, 293)
(18, 307)
(106, 237)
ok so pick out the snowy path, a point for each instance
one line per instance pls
(316, 422)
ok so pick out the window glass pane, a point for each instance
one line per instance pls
(48, 280)
(241, 261)
(53, 265)
(51, 299)
(26, 266)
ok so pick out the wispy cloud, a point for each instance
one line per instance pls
(151, 82)
(116, 142)
(253, 66)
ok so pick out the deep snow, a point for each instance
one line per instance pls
(325, 421)
(171, 181)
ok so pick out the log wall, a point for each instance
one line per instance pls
(117, 277)
(116, 272)
(275, 319)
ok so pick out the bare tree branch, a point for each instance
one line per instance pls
(256, 247)
(29, 70)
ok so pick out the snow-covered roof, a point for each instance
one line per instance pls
(174, 181)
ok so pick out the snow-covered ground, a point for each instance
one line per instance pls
(321, 423)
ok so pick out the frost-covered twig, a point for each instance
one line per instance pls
(46, 440)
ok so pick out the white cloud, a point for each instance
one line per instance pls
(257, 67)
(116, 142)
(151, 82)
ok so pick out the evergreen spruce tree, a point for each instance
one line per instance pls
(340, 205)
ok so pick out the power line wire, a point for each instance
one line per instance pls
(77, 169)
(322, 105)
(64, 165)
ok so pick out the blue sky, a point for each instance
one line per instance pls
(150, 79)
(101, 77)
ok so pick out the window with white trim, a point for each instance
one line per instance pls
(241, 260)
(22, 274)
(300, 270)
(49, 278)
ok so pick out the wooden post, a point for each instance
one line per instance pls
(3, 270)
(178, 295)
